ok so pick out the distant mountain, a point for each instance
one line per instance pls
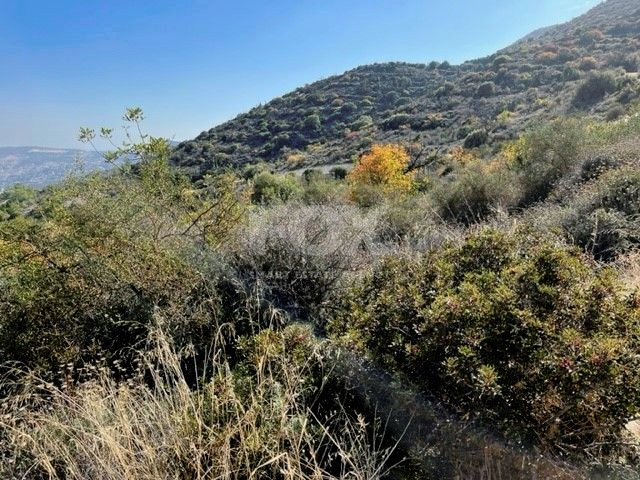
(587, 66)
(40, 166)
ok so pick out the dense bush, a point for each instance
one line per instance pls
(594, 89)
(269, 188)
(292, 257)
(475, 195)
(476, 139)
(112, 253)
(545, 155)
(603, 217)
(486, 89)
(519, 331)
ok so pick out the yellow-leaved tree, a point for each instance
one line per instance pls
(384, 169)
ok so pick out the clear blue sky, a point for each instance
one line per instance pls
(192, 64)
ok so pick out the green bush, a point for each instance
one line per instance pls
(396, 121)
(339, 173)
(516, 330)
(593, 89)
(603, 217)
(486, 89)
(548, 154)
(475, 195)
(269, 188)
(366, 195)
(108, 255)
(476, 139)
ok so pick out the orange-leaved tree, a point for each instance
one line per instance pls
(384, 166)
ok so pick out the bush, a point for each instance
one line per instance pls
(545, 155)
(603, 217)
(396, 121)
(476, 139)
(339, 173)
(292, 257)
(594, 89)
(113, 252)
(256, 419)
(383, 167)
(269, 188)
(476, 195)
(486, 89)
(519, 331)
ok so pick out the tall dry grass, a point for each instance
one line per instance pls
(158, 426)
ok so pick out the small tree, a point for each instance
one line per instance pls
(385, 166)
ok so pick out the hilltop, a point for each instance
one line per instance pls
(434, 107)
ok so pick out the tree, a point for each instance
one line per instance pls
(385, 166)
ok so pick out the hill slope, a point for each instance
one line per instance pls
(437, 106)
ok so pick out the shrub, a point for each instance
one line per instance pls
(614, 113)
(486, 89)
(312, 123)
(339, 173)
(384, 167)
(592, 90)
(475, 195)
(311, 175)
(476, 139)
(252, 420)
(396, 121)
(545, 155)
(323, 191)
(547, 58)
(513, 329)
(587, 64)
(269, 188)
(113, 250)
(292, 257)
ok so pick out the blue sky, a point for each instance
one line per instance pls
(192, 64)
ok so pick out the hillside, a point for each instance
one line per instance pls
(436, 106)
(39, 166)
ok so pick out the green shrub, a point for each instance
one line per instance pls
(476, 139)
(112, 254)
(269, 188)
(366, 195)
(516, 330)
(396, 121)
(14, 201)
(603, 217)
(486, 89)
(475, 195)
(323, 191)
(339, 173)
(594, 89)
(548, 153)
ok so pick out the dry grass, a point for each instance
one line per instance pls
(162, 428)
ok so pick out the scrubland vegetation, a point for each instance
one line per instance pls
(470, 318)
(360, 280)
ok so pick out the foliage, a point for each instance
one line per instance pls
(250, 421)
(269, 188)
(384, 167)
(603, 217)
(85, 269)
(476, 139)
(594, 89)
(476, 194)
(521, 332)
(546, 154)
(340, 117)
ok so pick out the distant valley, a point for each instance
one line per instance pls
(41, 166)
